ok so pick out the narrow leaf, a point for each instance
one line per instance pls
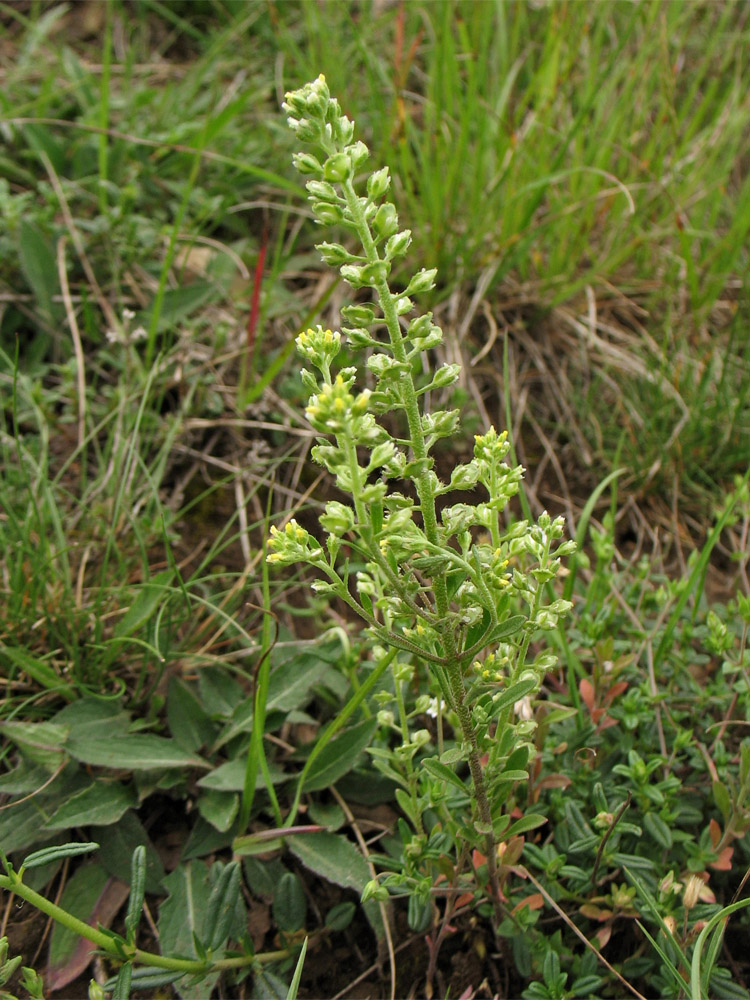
(339, 756)
(439, 770)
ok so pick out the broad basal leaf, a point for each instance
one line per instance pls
(137, 752)
(101, 803)
(337, 860)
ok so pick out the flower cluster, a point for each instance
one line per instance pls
(447, 587)
(293, 544)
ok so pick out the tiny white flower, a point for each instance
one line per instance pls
(523, 709)
(433, 708)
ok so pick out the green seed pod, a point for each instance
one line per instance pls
(335, 254)
(385, 222)
(306, 163)
(398, 245)
(337, 167)
(422, 281)
(377, 271)
(329, 215)
(359, 154)
(352, 275)
(322, 191)
(378, 183)
(358, 315)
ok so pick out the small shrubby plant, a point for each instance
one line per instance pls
(456, 588)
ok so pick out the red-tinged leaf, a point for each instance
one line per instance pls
(615, 691)
(594, 912)
(554, 781)
(603, 935)
(533, 902)
(509, 853)
(464, 900)
(714, 832)
(94, 897)
(586, 690)
(724, 862)
(606, 723)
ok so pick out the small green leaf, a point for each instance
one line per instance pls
(528, 822)
(439, 770)
(507, 628)
(514, 693)
(511, 775)
(222, 904)
(289, 903)
(219, 808)
(477, 630)
(219, 691)
(230, 777)
(49, 855)
(407, 806)
(137, 891)
(146, 979)
(658, 829)
(181, 915)
(93, 717)
(178, 303)
(722, 799)
(340, 916)
(122, 984)
(340, 755)
(290, 685)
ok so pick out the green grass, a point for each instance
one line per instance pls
(577, 173)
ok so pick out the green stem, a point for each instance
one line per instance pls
(119, 949)
(411, 401)
(458, 692)
(429, 517)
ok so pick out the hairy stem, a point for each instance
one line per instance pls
(429, 517)
(458, 692)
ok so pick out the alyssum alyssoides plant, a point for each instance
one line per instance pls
(441, 591)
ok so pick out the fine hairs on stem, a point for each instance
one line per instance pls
(455, 591)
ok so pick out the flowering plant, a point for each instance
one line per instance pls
(454, 588)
